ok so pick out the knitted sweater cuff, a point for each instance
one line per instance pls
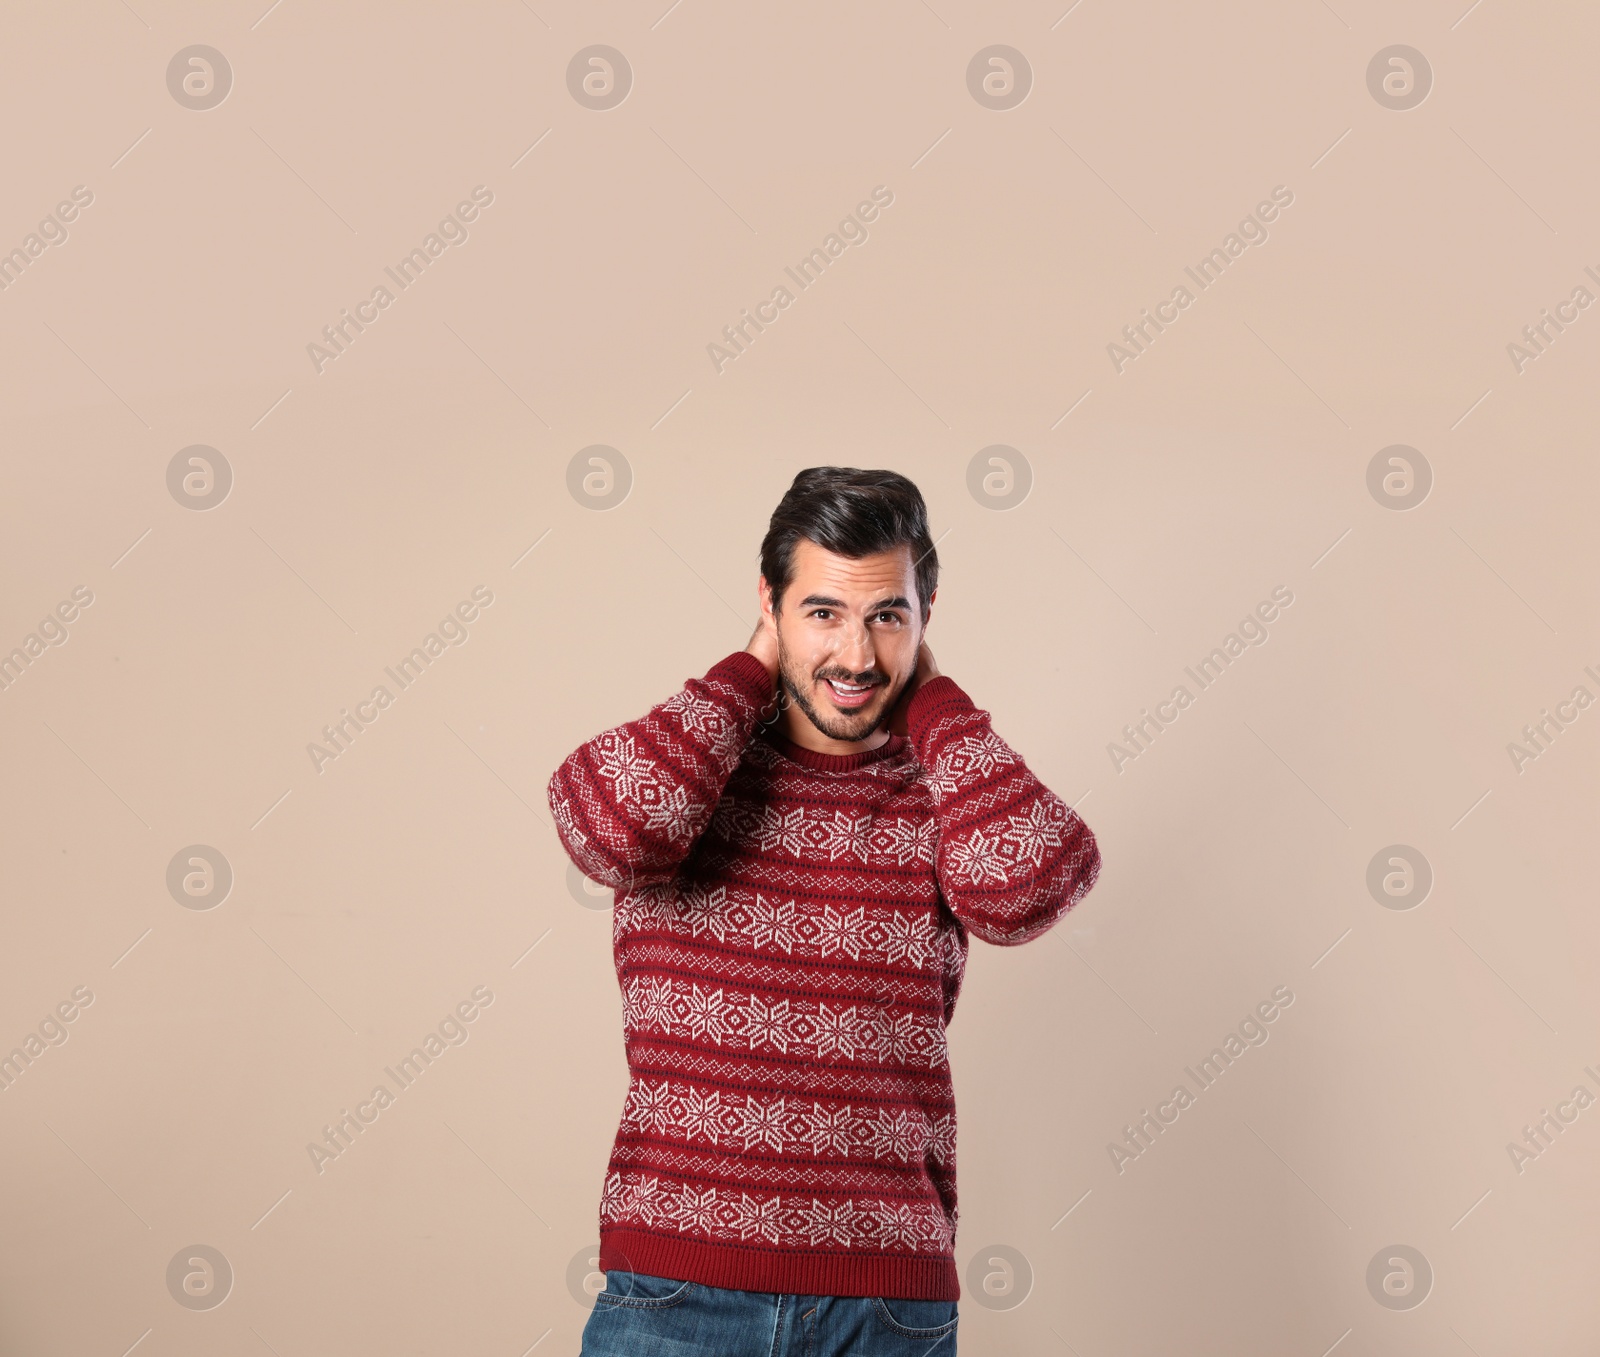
(937, 698)
(746, 673)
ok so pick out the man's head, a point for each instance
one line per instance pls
(848, 575)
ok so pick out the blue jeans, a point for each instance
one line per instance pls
(638, 1315)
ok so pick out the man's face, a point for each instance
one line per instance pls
(848, 633)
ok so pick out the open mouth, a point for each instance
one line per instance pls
(850, 695)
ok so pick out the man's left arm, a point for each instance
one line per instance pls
(1012, 856)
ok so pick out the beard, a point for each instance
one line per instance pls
(799, 685)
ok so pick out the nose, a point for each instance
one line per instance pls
(857, 652)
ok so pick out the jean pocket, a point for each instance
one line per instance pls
(642, 1291)
(916, 1318)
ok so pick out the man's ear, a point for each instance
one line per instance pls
(764, 592)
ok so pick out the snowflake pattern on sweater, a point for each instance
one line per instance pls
(790, 932)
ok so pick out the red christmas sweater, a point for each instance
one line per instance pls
(790, 933)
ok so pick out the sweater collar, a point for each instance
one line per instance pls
(832, 763)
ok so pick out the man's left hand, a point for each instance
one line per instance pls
(926, 669)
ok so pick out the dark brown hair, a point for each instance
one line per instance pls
(852, 513)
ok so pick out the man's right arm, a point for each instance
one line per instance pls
(630, 803)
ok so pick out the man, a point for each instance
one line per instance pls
(800, 843)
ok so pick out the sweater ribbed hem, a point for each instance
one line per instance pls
(743, 1268)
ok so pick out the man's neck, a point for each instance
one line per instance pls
(797, 729)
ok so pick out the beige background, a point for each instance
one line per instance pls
(431, 458)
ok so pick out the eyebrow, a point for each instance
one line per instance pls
(818, 601)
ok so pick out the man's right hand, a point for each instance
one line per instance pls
(764, 646)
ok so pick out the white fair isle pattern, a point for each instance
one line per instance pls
(571, 832)
(793, 1126)
(659, 1005)
(1010, 851)
(863, 933)
(637, 782)
(708, 724)
(812, 835)
(787, 1220)
(967, 758)
(693, 727)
